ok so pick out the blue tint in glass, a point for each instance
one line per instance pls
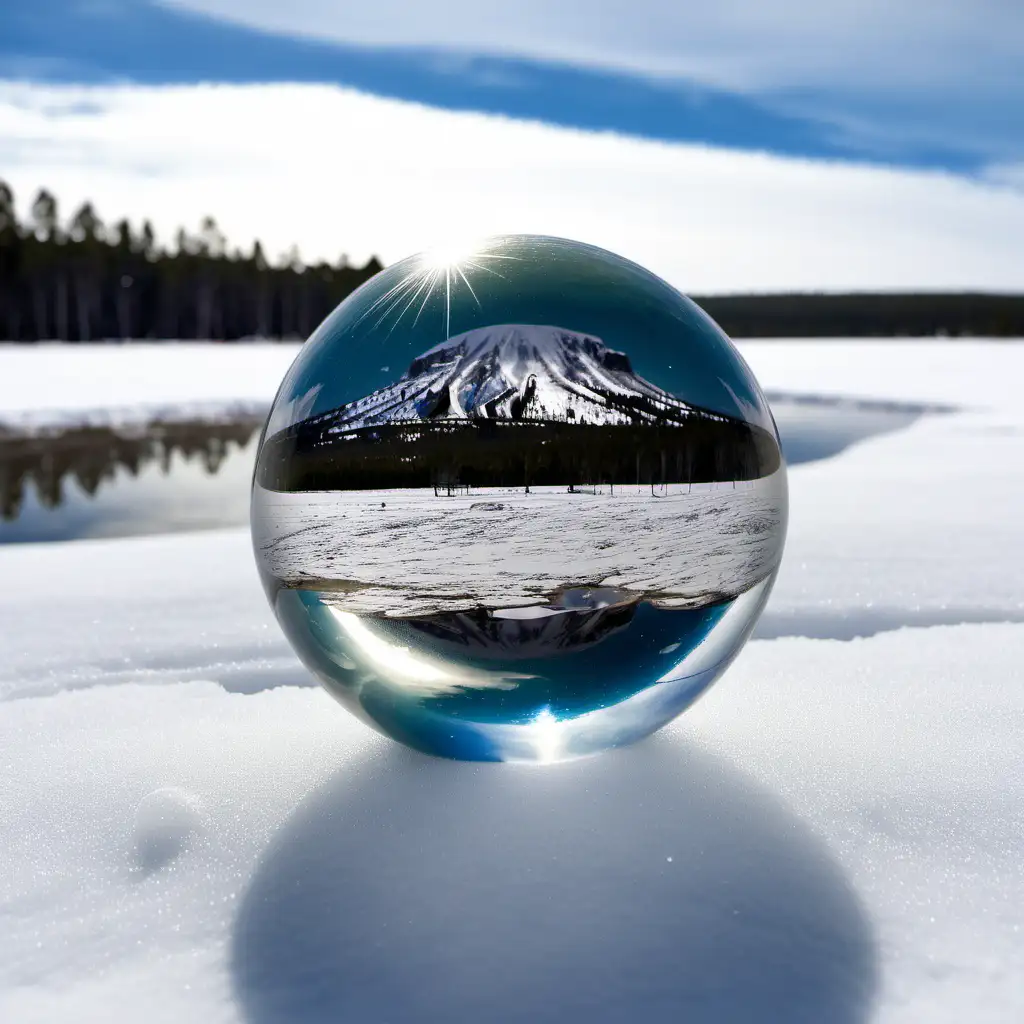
(520, 501)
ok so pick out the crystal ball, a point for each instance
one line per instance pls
(518, 501)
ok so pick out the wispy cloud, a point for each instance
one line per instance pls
(744, 44)
(922, 83)
(339, 171)
(875, 69)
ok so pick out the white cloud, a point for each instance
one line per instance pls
(1011, 174)
(338, 171)
(743, 44)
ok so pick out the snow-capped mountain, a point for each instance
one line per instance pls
(519, 372)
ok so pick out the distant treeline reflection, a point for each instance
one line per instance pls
(90, 456)
(491, 453)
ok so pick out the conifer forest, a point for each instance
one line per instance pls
(77, 278)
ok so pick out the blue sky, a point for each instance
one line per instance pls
(915, 84)
(733, 146)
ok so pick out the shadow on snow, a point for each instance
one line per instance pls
(655, 883)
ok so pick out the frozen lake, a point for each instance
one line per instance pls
(158, 477)
(200, 490)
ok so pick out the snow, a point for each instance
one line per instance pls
(168, 823)
(50, 386)
(191, 831)
(551, 374)
(684, 547)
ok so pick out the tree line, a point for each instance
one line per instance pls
(889, 315)
(78, 279)
(450, 455)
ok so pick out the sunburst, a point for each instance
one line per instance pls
(448, 267)
(546, 733)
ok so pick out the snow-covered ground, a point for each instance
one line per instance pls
(188, 832)
(679, 547)
(49, 386)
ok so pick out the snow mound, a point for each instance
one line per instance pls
(168, 822)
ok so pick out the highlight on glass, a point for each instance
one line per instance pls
(518, 500)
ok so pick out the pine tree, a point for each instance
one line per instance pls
(40, 261)
(11, 255)
(86, 230)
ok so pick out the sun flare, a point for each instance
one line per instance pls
(447, 267)
(450, 254)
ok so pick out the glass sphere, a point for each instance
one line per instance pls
(520, 502)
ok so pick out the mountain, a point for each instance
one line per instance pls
(518, 372)
(518, 633)
(514, 405)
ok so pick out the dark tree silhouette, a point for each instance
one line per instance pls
(459, 454)
(862, 315)
(86, 282)
(11, 265)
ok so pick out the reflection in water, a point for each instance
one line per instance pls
(176, 491)
(56, 485)
(92, 455)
